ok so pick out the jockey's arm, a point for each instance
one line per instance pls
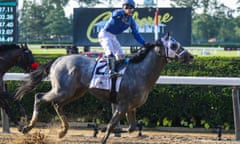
(136, 34)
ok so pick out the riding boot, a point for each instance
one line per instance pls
(111, 66)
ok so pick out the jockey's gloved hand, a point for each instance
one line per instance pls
(147, 44)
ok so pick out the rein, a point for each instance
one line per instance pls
(162, 50)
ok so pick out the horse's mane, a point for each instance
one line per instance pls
(141, 54)
(8, 47)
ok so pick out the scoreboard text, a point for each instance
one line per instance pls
(8, 22)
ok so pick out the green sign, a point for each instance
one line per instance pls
(8, 22)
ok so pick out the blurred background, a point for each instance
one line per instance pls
(214, 22)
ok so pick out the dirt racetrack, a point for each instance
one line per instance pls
(78, 136)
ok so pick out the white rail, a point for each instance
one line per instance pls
(182, 80)
(188, 80)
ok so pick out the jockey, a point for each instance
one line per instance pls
(120, 20)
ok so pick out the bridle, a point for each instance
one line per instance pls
(163, 49)
(179, 50)
(25, 59)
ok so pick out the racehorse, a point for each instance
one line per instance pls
(13, 55)
(70, 78)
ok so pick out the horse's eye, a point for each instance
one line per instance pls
(174, 46)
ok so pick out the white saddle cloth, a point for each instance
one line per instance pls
(101, 78)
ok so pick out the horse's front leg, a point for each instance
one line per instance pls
(38, 101)
(131, 118)
(113, 110)
(65, 126)
(4, 97)
(117, 116)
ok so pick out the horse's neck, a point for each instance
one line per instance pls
(11, 53)
(8, 59)
(151, 68)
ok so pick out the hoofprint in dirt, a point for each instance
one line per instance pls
(77, 136)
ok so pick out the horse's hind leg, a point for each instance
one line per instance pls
(38, 101)
(131, 118)
(58, 108)
(65, 126)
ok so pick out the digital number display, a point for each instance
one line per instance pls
(8, 22)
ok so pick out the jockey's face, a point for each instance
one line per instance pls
(128, 9)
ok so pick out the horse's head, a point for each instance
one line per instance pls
(26, 60)
(173, 50)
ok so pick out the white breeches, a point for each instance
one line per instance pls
(110, 44)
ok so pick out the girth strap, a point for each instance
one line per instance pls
(113, 93)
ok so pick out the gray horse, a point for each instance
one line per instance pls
(70, 78)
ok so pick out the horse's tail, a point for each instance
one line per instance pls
(33, 79)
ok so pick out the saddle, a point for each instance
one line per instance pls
(101, 80)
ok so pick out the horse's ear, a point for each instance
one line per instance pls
(21, 46)
(25, 45)
(167, 36)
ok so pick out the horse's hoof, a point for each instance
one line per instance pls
(117, 132)
(61, 134)
(103, 141)
(103, 129)
(25, 129)
(20, 128)
(130, 130)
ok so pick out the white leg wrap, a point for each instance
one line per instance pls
(35, 113)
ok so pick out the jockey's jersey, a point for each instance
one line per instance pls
(119, 22)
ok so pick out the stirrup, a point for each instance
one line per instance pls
(114, 74)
